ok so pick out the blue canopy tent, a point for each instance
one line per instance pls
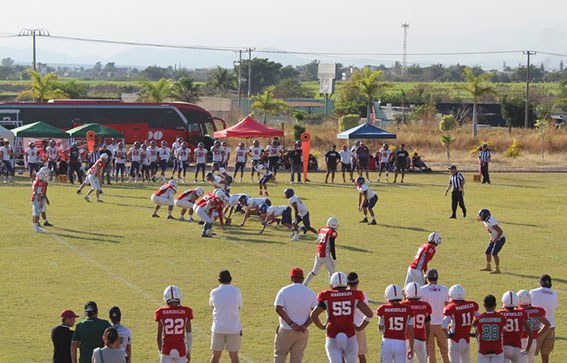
(366, 131)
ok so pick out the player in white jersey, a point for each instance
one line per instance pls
(119, 157)
(176, 145)
(367, 199)
(274, 151)
(216, 181)
(266, 177)
(52, 152)
(497, 240)
(300, 211)
(182, 155)
(221, 171)
(31, 158)
(5, 156)
(241, 157)
(135, 157)
(164, 153)
(256, 152)
(145, 163)
(111, 147)
(217, 152)
(252, 206)
(281, 215)
(200, 161)
(124, 334)
(225, 154)
(153, 152)
(234, 204)
(384, 155)
(186, 200)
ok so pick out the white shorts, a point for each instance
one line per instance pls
(200, 211)
(490, 358)
(459, 352)
(416, 276)
(336, 354)
(531, 353)
(327, 261)
(36, 209)
(513, 354)
(185, 204)
(94, 182)
(161, 200)
(172, 357)
(419, 350)
(393, 350)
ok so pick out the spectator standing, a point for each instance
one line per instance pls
(111, 353)
(107, 170)
(347, 161)
(402, 162)
(437, 296)
(88, 334)
(546, 298)
(61, 336)
(226, 301)
(293, 304)
(295, 157)
(331, 159)
(484, 157)
(352, 281)
(363, 157)
(457, 186)
(5, 157)
(75, 163)
(124, 334)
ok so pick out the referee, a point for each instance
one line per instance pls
(457, 185)
(484, 158)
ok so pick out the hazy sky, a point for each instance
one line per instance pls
(333, 26)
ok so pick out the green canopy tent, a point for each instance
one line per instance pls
(102, 131)
(39, 130)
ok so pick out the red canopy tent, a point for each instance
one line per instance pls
(248, 128)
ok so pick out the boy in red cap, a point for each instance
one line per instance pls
(61, 336)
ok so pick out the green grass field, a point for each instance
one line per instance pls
(116, 254)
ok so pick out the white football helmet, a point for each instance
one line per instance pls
(218, 193)
(172, 182)
(40, 175)
(412, 291)
(45, 170)
(393, 292)
(435, 238)
(457, 292)
(104, 156)
(524, 297)
(259, 167)
(172, 294)
(510, 299)
(199, 192)
(338, 279)
(333, 222)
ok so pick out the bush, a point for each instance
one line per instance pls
(297, 131)
(514, 150)
(348, 122)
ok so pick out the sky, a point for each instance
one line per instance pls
(316, 26)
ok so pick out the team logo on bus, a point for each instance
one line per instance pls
(155, 135)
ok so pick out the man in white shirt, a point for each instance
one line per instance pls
(124, 334)
(293, 305)
(5, 156)
(353, 282)
(346, 162)
(111, 147)
(226, 301)
(437, 296)
(547, 299)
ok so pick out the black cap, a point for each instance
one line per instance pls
(352, 278)
(115, 314)
(453, 167)
(432, 274)
(224, 276)
(545, 280)
(91, 307)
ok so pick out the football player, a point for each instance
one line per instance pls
(182, 155)
(422, 315)
(174, 336)
(205, 209)
(273, 214)
(200, 161)
(517, 322)
(217, 152)
(186, 200)
(234, 204)
(497, 240)
(153, 152)
(367, 199)
(536, 318)
(241, 157)
(325, 255)
(216, 181)
(225, 154)
(266, 177)
(94, 177)
(52, 155)
(120, 155)
(384, 155)
(39, 200)
(252, 205)
(31, 159)
(300, 210)
(256, 152)
(221, 171)
(146, 163)
(489, 331)
(425, 253)
(396, 323)
(340, 305)
(459, 314)
(164, 196)
(135, 157)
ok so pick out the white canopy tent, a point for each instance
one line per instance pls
(6, 134)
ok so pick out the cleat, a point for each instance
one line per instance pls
(365, 220)
(155, 216)
(47, 224)
(496, 271)
(373, 223)
(99, 201)
(170, 217)
(181, 219)
(86, 198)
(295, 238)
(201, 222)
(453, 217)
(190, 219)
(78, 192)
(260, 193)
(486, 269)
(38, 229)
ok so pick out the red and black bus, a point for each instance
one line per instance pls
(138, 121)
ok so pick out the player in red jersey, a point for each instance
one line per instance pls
(424, 254)
(39, 200)
(186, 200)
(174, 337)
(208, 208)
(326, 249)
(422, 315)
(396, 323)
(459, 314)
(340, 304)
(517, 322)
(536, 318)
(94, 178)
(164, 196)
(489, 331)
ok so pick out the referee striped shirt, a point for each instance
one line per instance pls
(95, 155)
(484, 155)
(457, 181)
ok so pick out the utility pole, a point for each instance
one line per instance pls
(526, 116)
(33, 33)
(405, 26)
(239, 82)
(249, 75)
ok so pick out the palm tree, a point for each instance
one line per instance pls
(476, 86)
(221, 81)
(185, 90)
(267, 104)
(155, 91)
(42, 88)
(369, 86)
